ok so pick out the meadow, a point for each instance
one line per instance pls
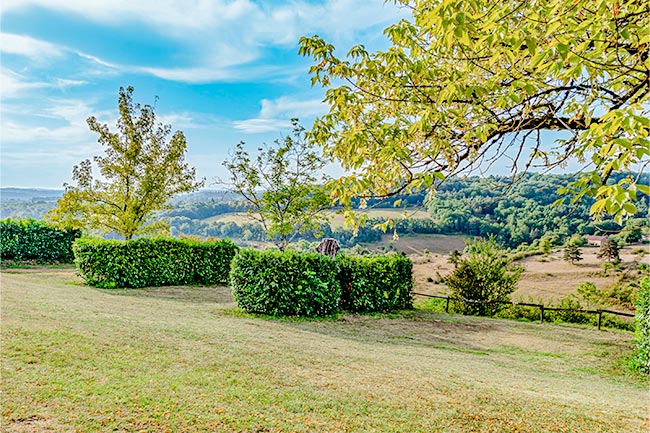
(171, 359)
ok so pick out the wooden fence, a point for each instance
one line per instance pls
(541, 307)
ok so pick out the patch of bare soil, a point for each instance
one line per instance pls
(545, 279)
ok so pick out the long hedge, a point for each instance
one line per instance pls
(153, 262)
(370, 284)
(292, 284)
(36, 240)
(285, 284)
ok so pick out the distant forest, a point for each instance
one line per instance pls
(515, 214)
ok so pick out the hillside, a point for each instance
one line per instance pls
(76, 358)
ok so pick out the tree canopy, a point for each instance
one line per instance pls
(467, 82)
(140, 171)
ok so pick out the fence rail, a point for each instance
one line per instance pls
(541, 307)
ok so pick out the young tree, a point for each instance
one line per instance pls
(485, 273)
(280, 186)
(468, 82)
(140, 171)
(572, 254)
(609, 250)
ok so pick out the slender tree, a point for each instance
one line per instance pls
(141, 169)
(281, 186)
(609, 250)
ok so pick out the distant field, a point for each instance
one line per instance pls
(183, 359)
(545, 278)
(337, 219)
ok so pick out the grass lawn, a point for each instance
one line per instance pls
(181, 359)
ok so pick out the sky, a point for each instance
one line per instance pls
(223, 71)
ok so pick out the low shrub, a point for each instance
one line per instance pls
(285, 283)
(36, 240)
(153, 262)
(380, 283)
(642, 333)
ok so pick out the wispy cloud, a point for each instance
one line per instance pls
(35, 49)
(224, 35)
(275, 114)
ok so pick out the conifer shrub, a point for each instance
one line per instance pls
(36, 240)
(380, 283)
(285, 283)
(153, 262)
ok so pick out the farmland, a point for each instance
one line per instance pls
(75, 358)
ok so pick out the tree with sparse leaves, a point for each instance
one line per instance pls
(609, 250)
(469, 82)
(281, 186)
(140, 171)
(572, 254)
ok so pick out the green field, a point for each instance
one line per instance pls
(336, 219)
(182, 359)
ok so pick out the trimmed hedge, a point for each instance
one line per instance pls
(642, 333)
(36, 240)
(153, 262)
(285, 284)
(370, 284)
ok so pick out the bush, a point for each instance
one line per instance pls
(483, 273)
(642, 332)
(285, 283)
(153, 262)
(379, 283)
(36, 240)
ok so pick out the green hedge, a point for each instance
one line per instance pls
(36, 240)
(379, 283)
(642, 333)
(285, 284)
(153, 262)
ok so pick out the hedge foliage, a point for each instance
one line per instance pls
(293, 284)
(370, 284)
(285, 284)
(153, 262)
(642, 333)
(36, 240)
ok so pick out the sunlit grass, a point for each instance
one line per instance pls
(184, 359)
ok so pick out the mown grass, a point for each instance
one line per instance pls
(184, 359)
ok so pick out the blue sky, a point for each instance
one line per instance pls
(224, 71)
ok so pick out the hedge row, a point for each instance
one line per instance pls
(379, 283)
(285, 284)
(642, 333)
(36, 240)
(153, 262)
(279, 284)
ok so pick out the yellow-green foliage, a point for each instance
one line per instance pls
(153, 262)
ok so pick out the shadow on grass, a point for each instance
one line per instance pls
(189, 294)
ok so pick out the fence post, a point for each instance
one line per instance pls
(447, 305)
(600, 315)
(541, 314)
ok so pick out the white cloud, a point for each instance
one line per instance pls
(275, 114)
(225, 35)
(13, 84)
(29, 47)
(256, 126)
